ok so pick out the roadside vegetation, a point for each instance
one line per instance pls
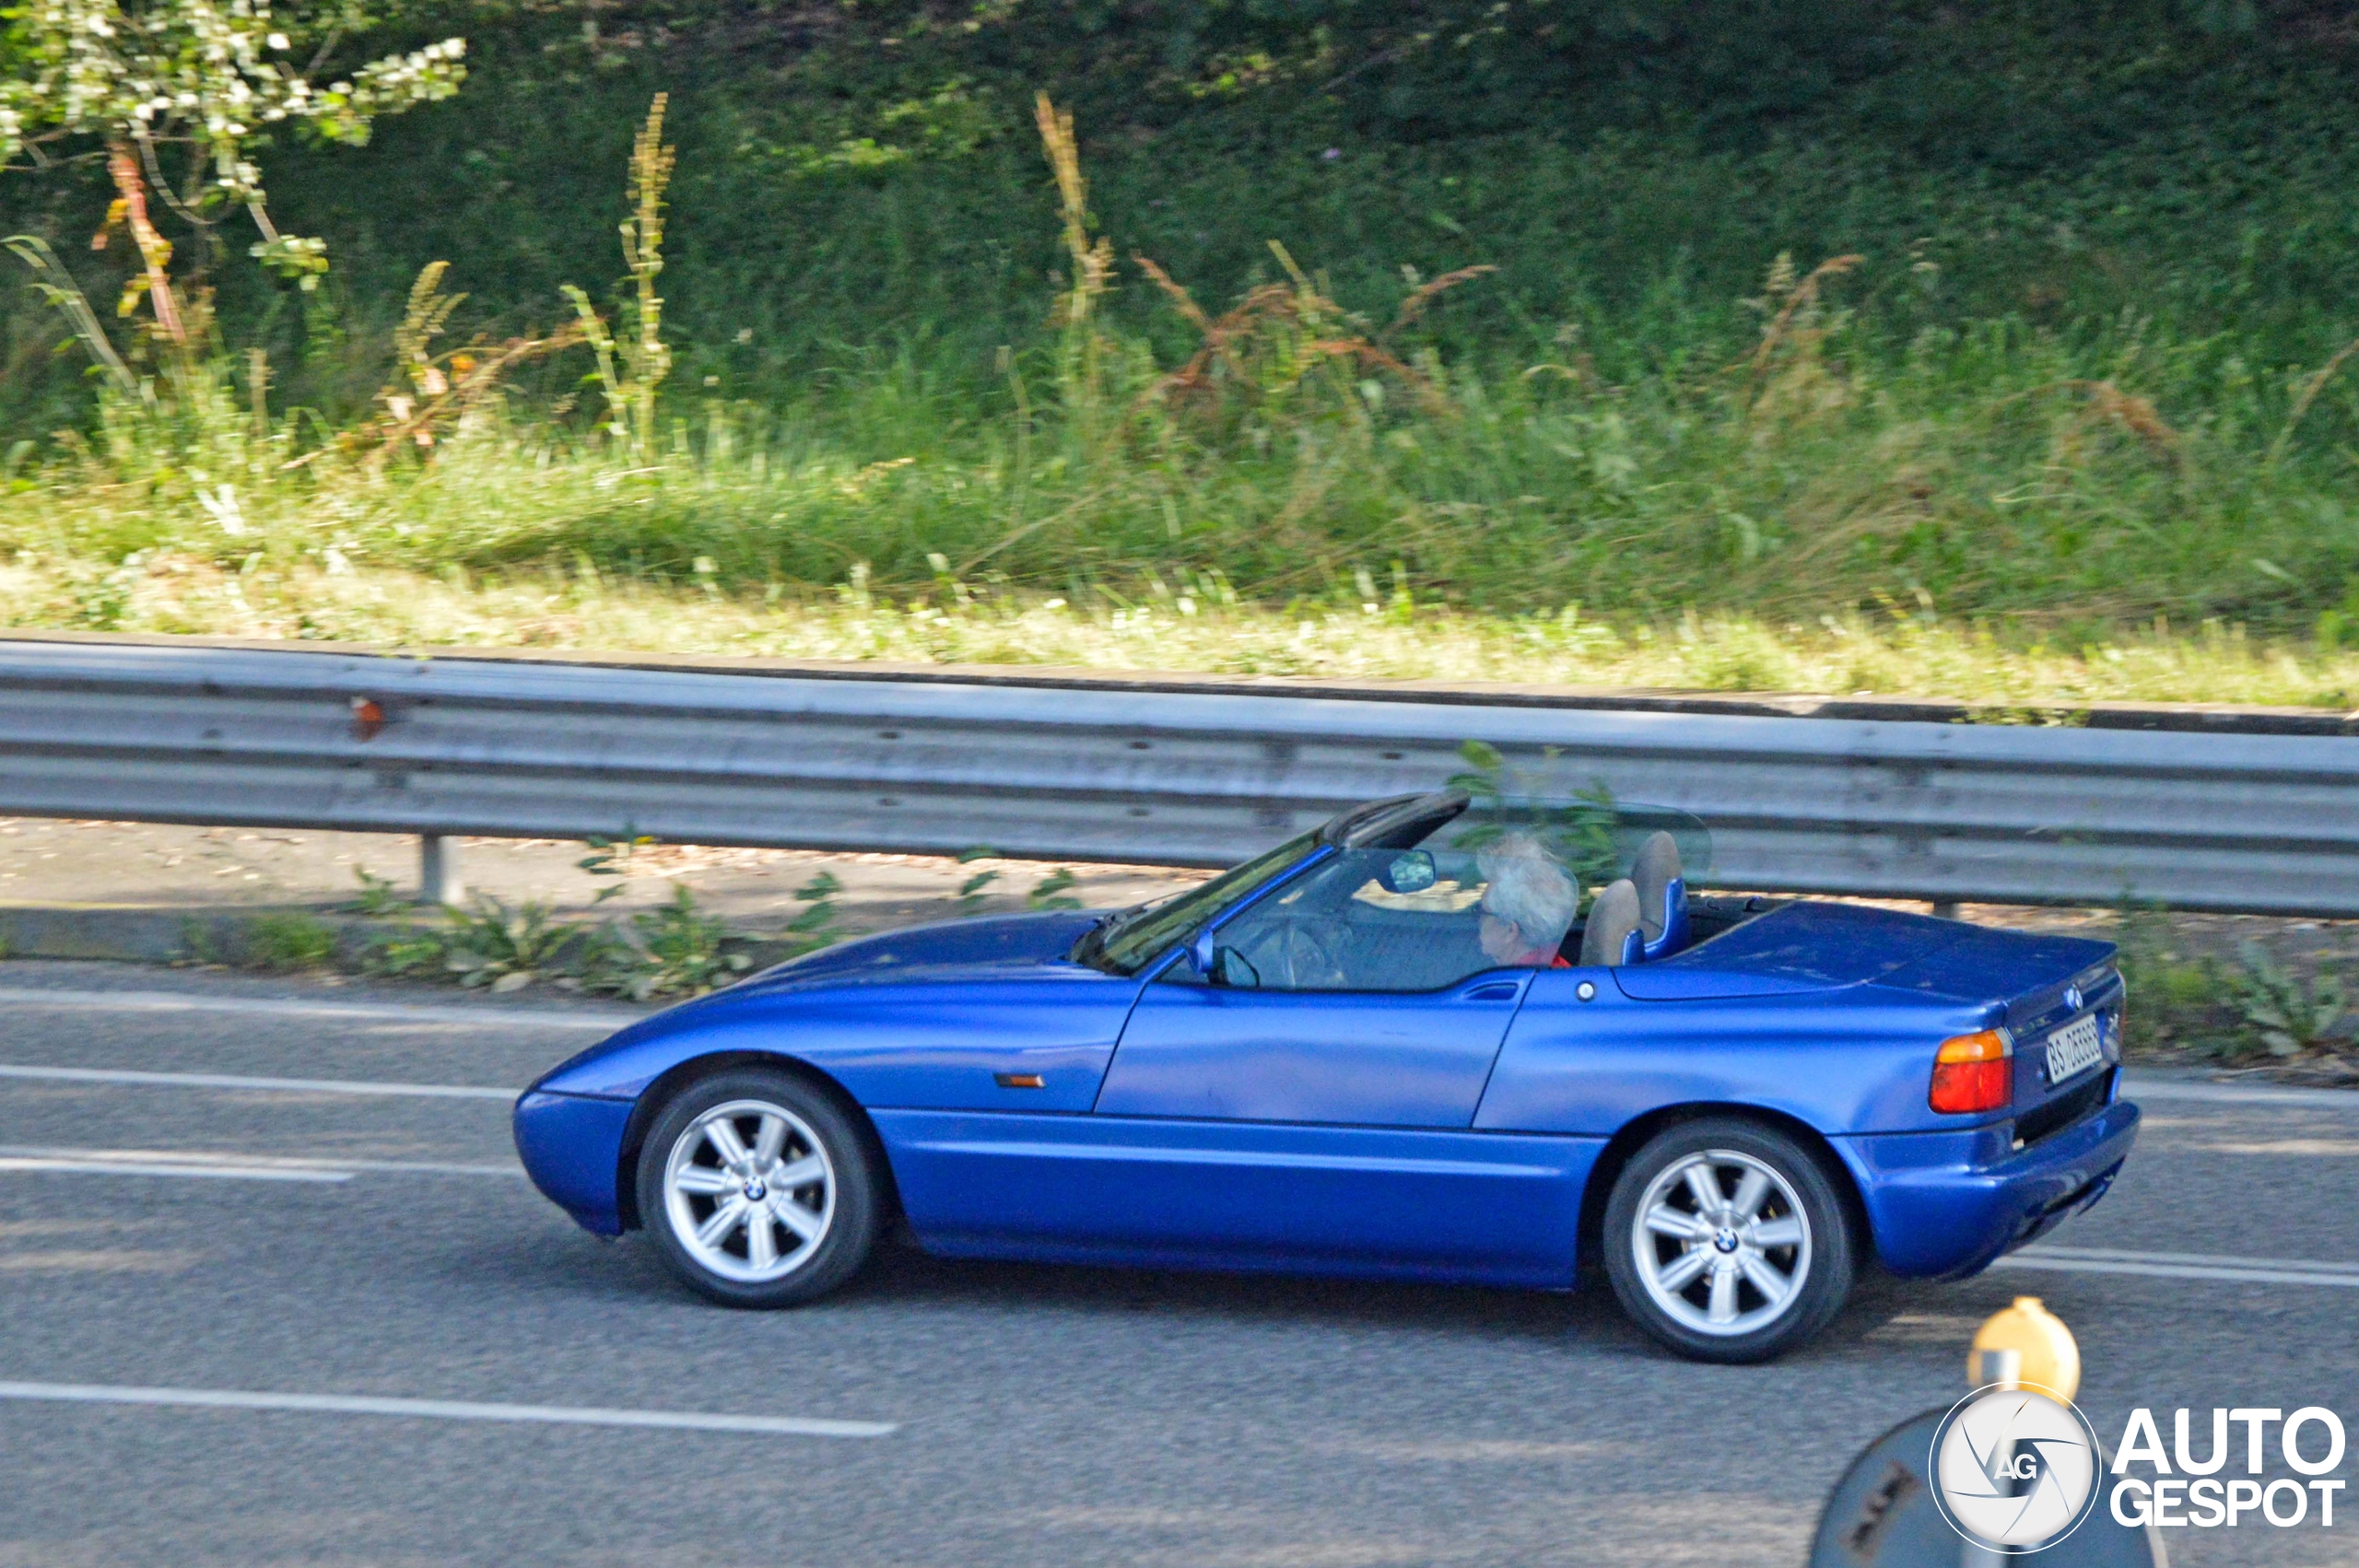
(674, 947)
(1236, 370)
(2278, 996)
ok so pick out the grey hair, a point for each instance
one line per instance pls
(1529, 888)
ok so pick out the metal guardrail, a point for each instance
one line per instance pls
(2256, 822)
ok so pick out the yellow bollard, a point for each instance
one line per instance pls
(2046, 1356)
(1912, 1498)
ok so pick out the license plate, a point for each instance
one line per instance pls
(2074, 1049)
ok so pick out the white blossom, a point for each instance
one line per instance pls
(193, 71)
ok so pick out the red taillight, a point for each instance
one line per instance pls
(1974, 1072)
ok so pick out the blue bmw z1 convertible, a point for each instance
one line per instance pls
(1386, 1048)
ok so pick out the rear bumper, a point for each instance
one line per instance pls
(1948, 1204)
(572, 1148)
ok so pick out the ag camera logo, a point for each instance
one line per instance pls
(2015, 1470)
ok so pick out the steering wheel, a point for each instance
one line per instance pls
(1293, 957)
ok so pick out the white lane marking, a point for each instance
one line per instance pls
(2300, 1148)
(2118, 1255)
(203, 1162)
(2185, 1266)
(22, 1163)
(274, 1007)
(2138, 1086)
(274, 1085)
(444, 1409)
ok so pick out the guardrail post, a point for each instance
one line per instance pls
(438, 880)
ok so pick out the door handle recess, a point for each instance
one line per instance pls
(1497, 990)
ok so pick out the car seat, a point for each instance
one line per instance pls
(1613, 935)
(1662, 888)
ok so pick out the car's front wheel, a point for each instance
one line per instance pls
(1726, 1240)
(757, 1191)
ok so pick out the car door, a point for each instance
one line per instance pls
(1333, 1059)
(1310, 1103)
(1349, 998)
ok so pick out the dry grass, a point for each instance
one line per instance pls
(1195, 626)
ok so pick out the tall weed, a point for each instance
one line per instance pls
(1649, 483)
(672, 950)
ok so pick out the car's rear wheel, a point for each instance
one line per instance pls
(1726, 1240)
(757, 1189)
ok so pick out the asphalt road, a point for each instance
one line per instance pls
(225, 1239)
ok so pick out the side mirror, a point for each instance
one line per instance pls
(1410, 872)
(1221, 965)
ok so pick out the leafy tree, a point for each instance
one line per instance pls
(135, 81)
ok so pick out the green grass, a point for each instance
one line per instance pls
(2060, 164)
(2067, 431)
(2001, 484)
(1187, 626)
(286, 941)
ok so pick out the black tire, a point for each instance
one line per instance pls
(1818, 1268)
(842, 1199)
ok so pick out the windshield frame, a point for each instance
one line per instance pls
(1128, 943)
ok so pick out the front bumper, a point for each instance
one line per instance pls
(572, 1148)
(1948, 1204)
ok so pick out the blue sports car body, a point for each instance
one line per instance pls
(1308, 1064)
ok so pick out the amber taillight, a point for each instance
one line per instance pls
(1974, 1072)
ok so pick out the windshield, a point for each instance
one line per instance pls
(1125, 943)
(1596, 836)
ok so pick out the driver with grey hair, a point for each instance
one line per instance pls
(1527, 903)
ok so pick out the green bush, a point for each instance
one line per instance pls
(378, 897)
(2290, 1016)
(504, 946)
(288, 940)
(675, 948)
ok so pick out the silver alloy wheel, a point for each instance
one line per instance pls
(1721, 1243)
(742, 1178)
